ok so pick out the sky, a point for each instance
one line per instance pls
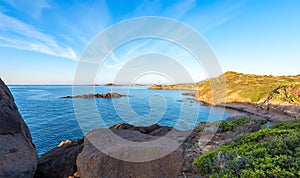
(42, 41)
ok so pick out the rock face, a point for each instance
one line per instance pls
(59, 162)
(93, 163)
(107, 95)
(18, 157)
(285, 99)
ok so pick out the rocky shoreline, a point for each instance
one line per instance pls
(276, 114)
(269, 112)
(273, 113)
(81, 158)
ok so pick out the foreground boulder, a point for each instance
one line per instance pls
(18, 157)
(127, 160)
(60, 162)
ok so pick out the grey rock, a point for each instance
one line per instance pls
(60, 162)
(18, 157)
(102, 159)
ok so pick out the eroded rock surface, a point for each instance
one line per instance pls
(18, 157)
(106, 162)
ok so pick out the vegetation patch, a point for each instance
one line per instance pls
(270, 152)
(242, 124)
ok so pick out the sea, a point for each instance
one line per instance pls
(52, 119)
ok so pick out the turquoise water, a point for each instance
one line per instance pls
(52, 119)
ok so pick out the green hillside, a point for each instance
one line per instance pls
(254, 89)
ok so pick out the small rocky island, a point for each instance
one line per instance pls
(110, 84)
(104, 95)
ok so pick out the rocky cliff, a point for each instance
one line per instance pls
(18, 157)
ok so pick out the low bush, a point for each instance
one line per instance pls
(271, 152)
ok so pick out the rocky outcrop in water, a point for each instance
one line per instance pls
(107, 95)
(109, 84)
(18, 157)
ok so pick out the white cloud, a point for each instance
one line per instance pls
(16, 34)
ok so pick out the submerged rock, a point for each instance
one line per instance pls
(18, 157)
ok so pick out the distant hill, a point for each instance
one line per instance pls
(254, 89)
(174, 87)
(272, 97)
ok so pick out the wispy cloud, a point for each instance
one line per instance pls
(115, 67)
(180, 9)
(213, 16)
(153, 8)
(16, 34)
(113, 57)
(29, 7)
(124, 53)
(146, 8)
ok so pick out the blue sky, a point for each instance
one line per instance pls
(41, 42)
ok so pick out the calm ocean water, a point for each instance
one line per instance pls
(52, 119)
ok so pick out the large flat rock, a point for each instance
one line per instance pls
(128, 153)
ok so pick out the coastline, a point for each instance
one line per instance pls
(256, 111)
(251, 109)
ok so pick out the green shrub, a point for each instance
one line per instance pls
(243, 123)
(272, 152)
(229, 125)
